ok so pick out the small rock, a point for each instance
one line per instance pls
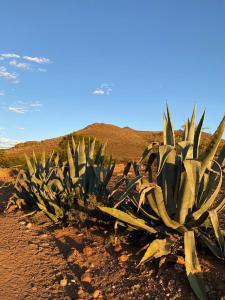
(29, 225)
(87, 251)
(44, 236)
(171, 282)
(136, 287)
(123, 258)
(12, 208)
(96, 294)
(92, 229)
(180, 260)
(63, 282)
(117, 248)
(22, 223)
(80, 292)
(86, 277)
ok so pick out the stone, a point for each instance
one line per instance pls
(86, 277)
(87, 251)
(123, 258)
(63, 282)
(96, 294)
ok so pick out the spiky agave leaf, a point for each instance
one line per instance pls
(193, 268)
(213, 146)
(126, 218)
(157, 248)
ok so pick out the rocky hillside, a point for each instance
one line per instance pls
(125, 143)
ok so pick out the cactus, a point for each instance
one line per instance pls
(181, 200)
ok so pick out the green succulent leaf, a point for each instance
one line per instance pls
(192, 265)
(156, 249)
(126, 218)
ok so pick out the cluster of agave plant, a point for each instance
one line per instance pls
(59, 188)
(178, 208)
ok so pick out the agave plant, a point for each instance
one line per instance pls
(57, 189)
(181, 203)
(85, 173)
(35, 189)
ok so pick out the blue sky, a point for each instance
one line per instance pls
(66, 64)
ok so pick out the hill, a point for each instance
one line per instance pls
(126, 143)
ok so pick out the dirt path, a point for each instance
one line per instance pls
(30, 265)
(34, 262)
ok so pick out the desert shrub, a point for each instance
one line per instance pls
(177, 208)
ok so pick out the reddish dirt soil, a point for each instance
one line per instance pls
(50, 263)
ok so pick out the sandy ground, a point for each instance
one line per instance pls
(72, 263)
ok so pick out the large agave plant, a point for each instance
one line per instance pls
(180, 204)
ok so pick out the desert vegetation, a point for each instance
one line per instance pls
(166, 199)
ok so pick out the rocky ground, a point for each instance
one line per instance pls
(37, 262)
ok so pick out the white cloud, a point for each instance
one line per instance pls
(22, 107)
(9, 55)
(99, 91)
(23, 66)
(2, 93)
(36, 104)
(39, 60)
(20, 128)
(104, 89)
(7, 75)
(7, 142)
(42, 70)
(17, 109)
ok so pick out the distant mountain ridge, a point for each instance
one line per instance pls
(125, 143)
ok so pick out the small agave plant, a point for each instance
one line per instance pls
(34, 187)
(179, 207)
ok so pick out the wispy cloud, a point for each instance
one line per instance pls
(104, 89)
(20, 128)
(22, 107)
(7, 75)
(17, 109)
(38, 60)
(42, 70)
(19, 65)
(98, 91)
(36, 104)
(2, 93)
(9, 55)
(6, 142)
